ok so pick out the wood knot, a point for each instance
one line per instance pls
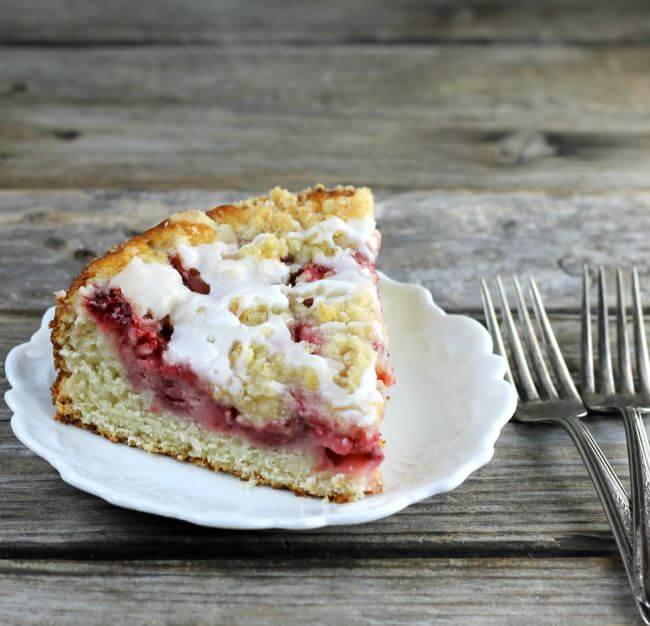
(83, 254)
(67, 134)
(523, 147)
(17, 87)
(55, 243)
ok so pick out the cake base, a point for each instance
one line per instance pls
(93, 393)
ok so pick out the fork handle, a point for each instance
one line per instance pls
(639, 461)
(614, 499)
(611, 492)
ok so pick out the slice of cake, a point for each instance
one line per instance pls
(248, 339)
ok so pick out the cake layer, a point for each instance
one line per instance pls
(141, 344)
(98, 396)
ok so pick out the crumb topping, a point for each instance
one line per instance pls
(282, 297)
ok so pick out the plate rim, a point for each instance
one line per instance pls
(367, 510)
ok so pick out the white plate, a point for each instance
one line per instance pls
(446, 412)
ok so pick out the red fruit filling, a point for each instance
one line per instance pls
(191, 278)
(310, 273)
(304, 331)
(313, 272)
(384, 370)
(363, 261)
(141, 344)
(354, 452)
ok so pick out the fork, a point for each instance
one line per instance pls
(624, 400)
(545, 402)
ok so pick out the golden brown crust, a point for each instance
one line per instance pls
(319, 193)
(225, 213)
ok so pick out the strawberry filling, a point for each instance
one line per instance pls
(384, 370)
(141, 344)
(304, 331)
(310, 273)
(363, 261)
(191, 277)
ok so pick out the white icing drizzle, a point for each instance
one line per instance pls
(206, 329)
(227, 276)
(359, 233)
(152, 287)
(347, 279)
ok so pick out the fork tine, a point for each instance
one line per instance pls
(493, 328)
(624, 365)
(606, 374)
(555, 354)
(640, 344)
(587, 356)
(523, 372)
(533, 345)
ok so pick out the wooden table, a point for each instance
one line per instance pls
(499, 137)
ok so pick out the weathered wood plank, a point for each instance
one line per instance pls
(67, 21)
(71, 145)
(422, 591)
(397, 117)
(14, 329)
(561, 87)
(446, 241)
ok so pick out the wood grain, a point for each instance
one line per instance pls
(562, 118)
(14, 329)
(67, 22)
(405, 591)
(445, 241)
(140, 146)
(562, 86)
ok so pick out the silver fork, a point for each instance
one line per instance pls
(624, 400)
(545, 402)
